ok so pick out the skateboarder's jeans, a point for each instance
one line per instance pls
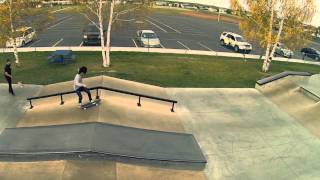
(79, 90)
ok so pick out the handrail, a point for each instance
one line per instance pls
(98, 97)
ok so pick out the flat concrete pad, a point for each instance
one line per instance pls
(245, 136)
(13, 108)
(102, 139)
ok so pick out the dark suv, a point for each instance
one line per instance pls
(310, 52)
(91, 35)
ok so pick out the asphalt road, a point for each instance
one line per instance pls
(178, 32)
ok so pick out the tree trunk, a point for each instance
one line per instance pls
(267, 56)
(103, 49)
(275, 43)
(108, 33)
(14, 45)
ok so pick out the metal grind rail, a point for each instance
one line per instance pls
(140, 96)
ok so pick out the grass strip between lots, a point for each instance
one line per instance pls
(166, 70)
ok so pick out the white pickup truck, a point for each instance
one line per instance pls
(237, 42)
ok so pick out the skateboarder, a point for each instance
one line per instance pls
(79, 86)
(8, 75)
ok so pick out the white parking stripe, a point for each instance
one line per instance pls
(183, 45)
(157, 26)
(162, 46)
(134, 42)
(34, 42)
(59, 23)
(55, 44)
(81, 44)
(204, 46)
(165, 25)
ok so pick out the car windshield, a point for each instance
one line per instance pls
(92, 28)
(19, 33)
(240, 39)
(149, 35)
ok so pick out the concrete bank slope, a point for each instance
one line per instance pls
(299, 96)
(246, 136)
(115, 108)
(13, 108)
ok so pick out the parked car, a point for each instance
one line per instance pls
(310, 52)
(24, 36)
(282, 50)
(148, 38)
(237, 42)
(91, 35)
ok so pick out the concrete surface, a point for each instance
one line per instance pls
(115, 108)
(102, 139)
(289, 97)
(271, 132)
(246, 136)
(13, 108)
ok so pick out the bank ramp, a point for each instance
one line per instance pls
(100, 139)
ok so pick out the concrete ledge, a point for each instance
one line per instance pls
(281, 75)
(103, 140)
(310, 94)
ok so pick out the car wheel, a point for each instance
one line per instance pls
(317, 58)
(236, 48)
(23, 43)
(222, 42)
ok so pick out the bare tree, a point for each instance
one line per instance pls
(97, 11)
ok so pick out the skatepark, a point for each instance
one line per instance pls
(267, 132)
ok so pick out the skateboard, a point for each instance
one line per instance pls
(91, 104)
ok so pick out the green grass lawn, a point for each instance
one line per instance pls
(165, 70)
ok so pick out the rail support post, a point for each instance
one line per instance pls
(97, 93)
(61, 100)
(139, 102)
(172, 109)
(30, 102)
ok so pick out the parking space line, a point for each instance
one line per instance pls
(55, 44)
(134, 42)
(156, 26)
(165, 25)
(81, 44)
(204, 46)
(59, 23)
(162, 46)
(183, 45)
(34, 42)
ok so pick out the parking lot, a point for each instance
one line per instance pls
(177, 32)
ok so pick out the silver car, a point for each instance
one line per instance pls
(282, 50)
(148, 38)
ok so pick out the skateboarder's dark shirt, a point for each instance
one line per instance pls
(7, 69)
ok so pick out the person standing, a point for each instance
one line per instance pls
(79, 86)
(8, 75)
